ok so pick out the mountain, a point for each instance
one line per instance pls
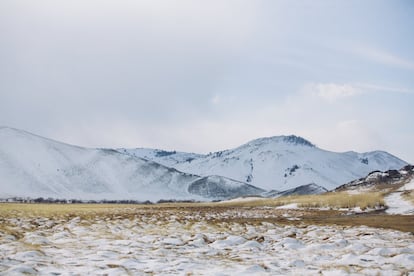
(220, 187)
(276, 163)
(33, 166)
(167, 158)
(379, 180)
(309, 189)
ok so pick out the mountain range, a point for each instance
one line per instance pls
(34, 166)
(276, 163)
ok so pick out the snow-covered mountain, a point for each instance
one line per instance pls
(33, 166)
(167, 158)
(309, 189)
(277, 163)
(379, 180)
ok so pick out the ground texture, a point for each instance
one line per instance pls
(199, 241)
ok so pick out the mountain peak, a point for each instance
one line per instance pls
(287, 139)
(297, 140)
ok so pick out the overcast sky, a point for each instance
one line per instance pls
(209, 75)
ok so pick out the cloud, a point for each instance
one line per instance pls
(148, 62)
(381, 56)
(216, 99)
(331, 92)
(382, 88)
(194, 76)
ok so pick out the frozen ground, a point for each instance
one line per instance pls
(397, 204)
(218, 242)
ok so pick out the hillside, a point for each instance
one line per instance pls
(277, 163)
(33, 166)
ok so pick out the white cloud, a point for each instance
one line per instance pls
(331, 92)
(192, 76)
(382, 57)
(382, 88)
(216, 99)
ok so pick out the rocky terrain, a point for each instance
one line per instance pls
(380, 180)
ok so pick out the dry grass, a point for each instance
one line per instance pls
(408, 195)
(89, 213)
(67, 211)
(378, 220)
(328, 200)
(344, 200)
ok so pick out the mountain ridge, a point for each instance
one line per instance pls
(35, 166)
(278, 163)
(49, 168)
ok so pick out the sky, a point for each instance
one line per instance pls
(204, 76)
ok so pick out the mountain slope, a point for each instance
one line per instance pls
(33, 166)
(278, 163)
(309, 189)
(379, 181)
(167, 158)
(396, 185)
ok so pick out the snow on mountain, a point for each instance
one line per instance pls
(379, 180)
(309, 189)
(167, 158)
(278, 163)
(394, 183)
(221, 187)
(33, 166)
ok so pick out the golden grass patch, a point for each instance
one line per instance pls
(408, 195)
(344, 200)
(216, 215)
(328, 200)
(67, 211)
(113, 211)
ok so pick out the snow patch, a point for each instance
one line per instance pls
(289, 206)
(153, 243)
(397, 205)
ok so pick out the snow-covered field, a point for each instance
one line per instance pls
(397, 204)
(206, 242)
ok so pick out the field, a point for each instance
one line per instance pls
(327, 200)
(206, 239)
